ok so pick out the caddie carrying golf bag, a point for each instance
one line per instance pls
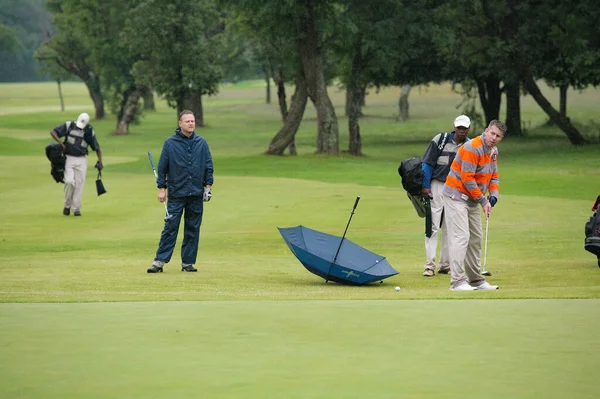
(592, 231)
(57, 159)
(412, 180)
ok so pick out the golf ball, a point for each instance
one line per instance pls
(397, 288)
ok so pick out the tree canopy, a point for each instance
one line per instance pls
(184, 49)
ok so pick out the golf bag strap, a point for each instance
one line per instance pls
(596, 204)
(442, 141)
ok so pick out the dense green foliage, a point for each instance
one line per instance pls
(183, 49)
(24, 25)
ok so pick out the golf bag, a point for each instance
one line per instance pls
(57, 159)
(412, 181)
(592, 231)
(412, 175)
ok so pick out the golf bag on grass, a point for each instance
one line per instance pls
(592, 231)
(57, 159)
(412, 181)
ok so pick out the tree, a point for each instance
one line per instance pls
(301, 28)
(372, 46)
(67, 48)
(9, 40)
(520, 41)
(50, 68)
(277, 54)
(466, 44)
(285, 136)
(99, 22)
(181, 42)
(23, 25)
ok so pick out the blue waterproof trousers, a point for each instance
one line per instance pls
(191, 208)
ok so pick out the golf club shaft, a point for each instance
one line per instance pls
(156, 176)
(487, 229)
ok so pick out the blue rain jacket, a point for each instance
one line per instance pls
(185, 165)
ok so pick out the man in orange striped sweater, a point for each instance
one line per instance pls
(474, 173)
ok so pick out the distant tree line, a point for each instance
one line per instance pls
(182, 50)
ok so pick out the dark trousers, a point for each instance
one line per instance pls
(191, 208)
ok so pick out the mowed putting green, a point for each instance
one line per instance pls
(80, 317)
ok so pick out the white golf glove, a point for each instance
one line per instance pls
(207, 194)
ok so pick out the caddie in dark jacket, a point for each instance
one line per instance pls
(185, 172)
(78, 137)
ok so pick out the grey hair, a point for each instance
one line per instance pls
(501, 126)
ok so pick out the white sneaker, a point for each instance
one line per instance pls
(485, 286)
(463, 287)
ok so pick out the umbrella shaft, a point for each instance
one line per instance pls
(340, 246)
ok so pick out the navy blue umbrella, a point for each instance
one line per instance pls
(336, 258)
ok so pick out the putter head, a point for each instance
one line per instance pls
(486, 273)
(168, 217)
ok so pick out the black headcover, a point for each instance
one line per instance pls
(57, 159)
(99, 185)
(592, 231)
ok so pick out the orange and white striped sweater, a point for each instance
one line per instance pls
(473, 173)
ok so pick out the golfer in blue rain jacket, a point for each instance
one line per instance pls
(185, 174)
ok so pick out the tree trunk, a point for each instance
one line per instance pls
(283, 110)
(129, 110)
(490, 95)
(355, 143)
(513, 109)
(93, 86)
(191, 100)
(361, 93)
(348, 100)
(285, 137)
(563, 100)
(403, 103)
(268, 80)
(562, 122)
(148, 97)
(60, 96)
(197, 109)
(89, 78)
(355, 94)
(312, 63)
(363, 97)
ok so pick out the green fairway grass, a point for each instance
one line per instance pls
(302, 349)
(80, 317)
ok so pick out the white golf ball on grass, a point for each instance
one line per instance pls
(397, 288)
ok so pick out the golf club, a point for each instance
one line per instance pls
(484, 270)
(167, 215)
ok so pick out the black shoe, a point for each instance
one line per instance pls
(154, 269)
(77, 213)
(444, 271)
(66, 211)
(188, 268)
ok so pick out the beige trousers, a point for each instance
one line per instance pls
(75, 171)
(431, 243)
(463, 223)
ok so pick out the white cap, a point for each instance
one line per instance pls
(83, 120)
(462, 120)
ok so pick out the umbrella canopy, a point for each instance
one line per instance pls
(353, 265)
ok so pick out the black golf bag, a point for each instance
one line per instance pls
(592, 231)
(57, 159)
(412, 181)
